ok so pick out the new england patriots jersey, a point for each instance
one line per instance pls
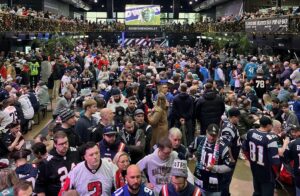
(292, 153)
(262, 149)
(208, 154)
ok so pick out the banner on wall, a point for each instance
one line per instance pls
(267, 25)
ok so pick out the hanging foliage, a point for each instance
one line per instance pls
(58, 44)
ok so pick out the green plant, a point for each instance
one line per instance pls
(56, 44)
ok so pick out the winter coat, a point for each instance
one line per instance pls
(158, 120)
(209, 109)
(183, 107)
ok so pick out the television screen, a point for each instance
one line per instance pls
(142, 15)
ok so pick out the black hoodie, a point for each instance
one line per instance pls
(183, 107)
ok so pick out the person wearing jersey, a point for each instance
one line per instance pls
(213, 161)
(261, 149)
(93, 176)
(231, 137)
(25, 171)
(134, 184)
(65, 82)
(13, 139)
(53, 171)
(291, 152)
(259, 82)
(10, 113)
(250, 69)
(179, 186)
(110, 145)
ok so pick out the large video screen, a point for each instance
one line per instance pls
(142, 15)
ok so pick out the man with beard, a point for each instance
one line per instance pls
(87, 122)
(179, 186)
(132, 106)
(110, 145)
(139, 118)
(116, 100)
(134, 184)
(68, 120)
(93, 176)
(134, 139)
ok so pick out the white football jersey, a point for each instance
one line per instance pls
(87, 182)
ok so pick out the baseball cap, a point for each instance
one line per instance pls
(66, 114)
(233, 112)
(179, 168)
(264, 121)
(213, 129)
(109, 130)
(138, 111)
(4, 163)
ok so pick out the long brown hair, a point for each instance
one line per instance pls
(161, 101)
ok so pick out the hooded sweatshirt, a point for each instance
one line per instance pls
(159, 171)
(43, 95)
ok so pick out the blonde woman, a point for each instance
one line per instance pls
(122, 160)
(158, 119)
(8, 179)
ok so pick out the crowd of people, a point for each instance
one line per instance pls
(22, 19)
(127, 121)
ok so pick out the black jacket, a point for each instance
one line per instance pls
(183, 107)
(209, 109)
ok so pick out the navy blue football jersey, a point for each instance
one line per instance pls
(27, 172)
(262, 148)
(205, 153)
(231, 137)
(292, 153)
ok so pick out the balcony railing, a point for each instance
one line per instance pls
(14, 23)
